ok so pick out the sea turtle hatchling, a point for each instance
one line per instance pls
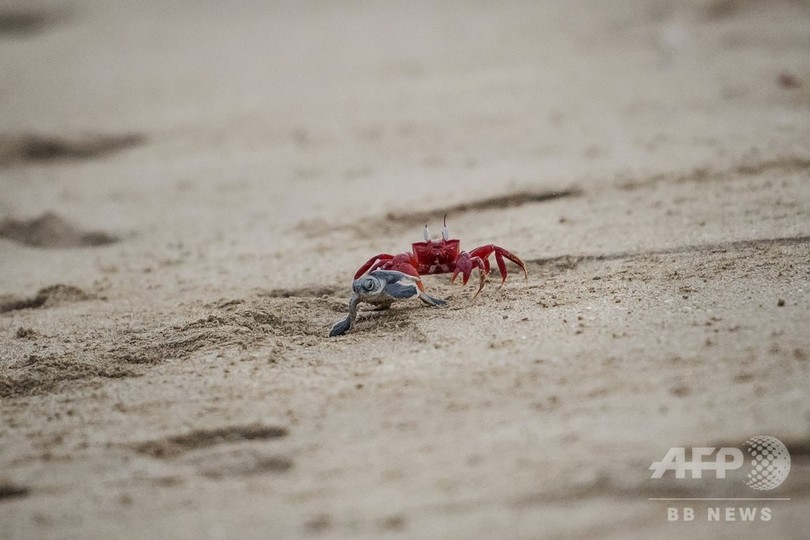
(382, 288)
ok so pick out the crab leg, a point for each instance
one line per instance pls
(485, 251)
(373, 263)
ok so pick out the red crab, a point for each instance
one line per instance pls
(442, 257)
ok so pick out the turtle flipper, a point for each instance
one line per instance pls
(346, 324)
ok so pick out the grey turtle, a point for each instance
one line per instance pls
(382, 288)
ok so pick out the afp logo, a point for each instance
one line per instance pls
(769, 462)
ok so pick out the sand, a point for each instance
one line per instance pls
(186, 189)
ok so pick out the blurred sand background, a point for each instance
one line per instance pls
(186, 189)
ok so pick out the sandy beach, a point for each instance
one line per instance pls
(186, 191)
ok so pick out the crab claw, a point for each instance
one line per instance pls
(465, 264)
(464, 267)
(500, 253)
